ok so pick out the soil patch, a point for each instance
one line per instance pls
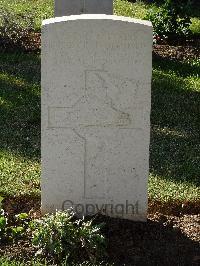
(180, 53)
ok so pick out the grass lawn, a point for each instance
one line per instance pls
(175, 123)
(20, 124)
(175, 142)
(9, 262)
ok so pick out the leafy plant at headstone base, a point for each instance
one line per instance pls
(20, 227)
(13, 232)
(171, 21)
(3, 221)
(16, 31)
(64, 238)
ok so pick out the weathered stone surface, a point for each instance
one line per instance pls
(77, 7)
(96, 98)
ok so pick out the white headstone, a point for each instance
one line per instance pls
(77, 7)
(96, 98)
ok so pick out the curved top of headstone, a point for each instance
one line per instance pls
(96, 17)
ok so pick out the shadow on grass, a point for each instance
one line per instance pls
(181, 68)
(21, 65)
(20, 104)
(175, 122)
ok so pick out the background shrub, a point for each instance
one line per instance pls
(171, 20)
